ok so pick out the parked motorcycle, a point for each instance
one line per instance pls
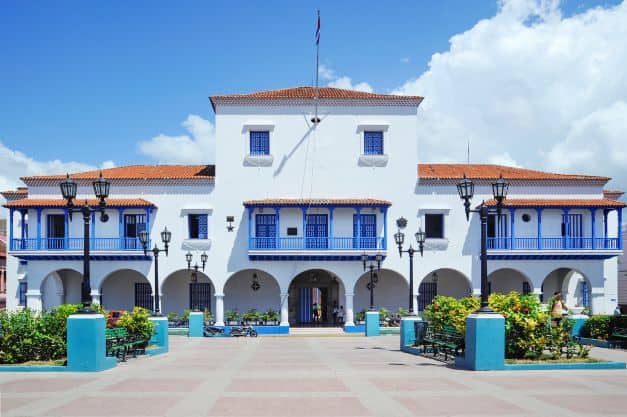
(243, 331)
(213, 331)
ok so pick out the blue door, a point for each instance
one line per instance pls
(574, 230)
(368, 232)
(317, 231)
(56, 232)
(265, 231)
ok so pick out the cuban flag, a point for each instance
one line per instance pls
(318, 30)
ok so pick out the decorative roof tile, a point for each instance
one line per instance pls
(308, 93)
(492, 172)
(613, 194)
(49, 202)
(318, 202)
(17, 192)
(140, 172)
(559, 202)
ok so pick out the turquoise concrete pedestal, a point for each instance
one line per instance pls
(408, 331)
(196, 320)
(86, 345)
(485, 343)
(578, 321)
(160, 337)
(372, 323)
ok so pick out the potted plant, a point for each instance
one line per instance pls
(360, 317)
(384, 316)
(271, 318)
(251, 317)
(402, 312)
(208, 317)
(173, 319)
(232, 318)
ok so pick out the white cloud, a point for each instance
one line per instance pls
(405, 60)
(347, 83)
(326, 73)
(15, 164)
(531, 87)
(197, 147)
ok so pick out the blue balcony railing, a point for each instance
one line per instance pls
(553, 243)
(76, 244)
(316, 243)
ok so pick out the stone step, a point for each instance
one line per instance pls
(317, 331)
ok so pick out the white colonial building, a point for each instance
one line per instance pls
(291, 206)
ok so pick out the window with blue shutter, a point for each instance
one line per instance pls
(260, 143)
(198, 228)
(373, 143)
(368, 233)
(265, 230)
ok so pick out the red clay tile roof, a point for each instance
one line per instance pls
(140, 172)
(18, 191)
(492, 172)
(308, 93)
(613, 194)
(317, 202)
(49, 202)
(559, 202)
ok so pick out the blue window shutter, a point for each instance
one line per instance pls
(373, 143)
(260, 143)
(203, 229)
(22, 293)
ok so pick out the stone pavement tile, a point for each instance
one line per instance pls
(10, 403)
(288, 407)
(617, 380)
(112, 406)
(459, 405)
(153, 384)
(417, 383)
(595, 405)
(256, 365)
(534, 382)
(303, 385)
(36, 384)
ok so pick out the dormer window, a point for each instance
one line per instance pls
(259, 142)
(373, 143)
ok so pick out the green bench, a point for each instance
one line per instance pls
(447, 342)
(120, 343)
(619, 337)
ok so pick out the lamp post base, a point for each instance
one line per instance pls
(485, 310)
(86, 310)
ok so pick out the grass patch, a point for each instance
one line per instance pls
(55, 362)
(551, 361)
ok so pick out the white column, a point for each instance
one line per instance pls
(348, 321)
(597, 302)
(414, 301)
(219, 309)
(33, 300)
(285, 318)
(537, 292)
(95, 297)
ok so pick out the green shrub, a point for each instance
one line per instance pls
(271, 315)
(185, 315)
(402, 312)
(449, 311)
(384, 314)
(172, 316)
(360, 315)
(598, 327)
(207, 315)
(251, 315)
(137, 323)
(231, 315)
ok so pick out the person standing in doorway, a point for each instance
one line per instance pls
(314, 312)
(340, 316)
(558, 308)
(335, 313)
(319, 313)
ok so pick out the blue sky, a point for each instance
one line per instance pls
(86, 83)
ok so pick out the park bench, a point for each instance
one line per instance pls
(447, 341)
(120, 343)
(619, 337)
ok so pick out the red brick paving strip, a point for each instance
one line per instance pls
(303, 385)
(115, 406)
(459, 406)
(596, 405)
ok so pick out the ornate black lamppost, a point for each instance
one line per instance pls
(373, 278)
(101, 190)
(466, 190)
(194, 275)
(399, 238)
(166, 236)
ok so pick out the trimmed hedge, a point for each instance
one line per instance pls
(601, 327)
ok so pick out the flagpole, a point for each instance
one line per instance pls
(315, 119)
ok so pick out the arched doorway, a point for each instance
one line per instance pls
(252, 289)
(314, 287)
(61, 287)
(125, 289)
(444, 281)
(574, 286)
(506, 280)
(179, 293)
(390, 291)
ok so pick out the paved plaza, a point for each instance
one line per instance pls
(309, 376)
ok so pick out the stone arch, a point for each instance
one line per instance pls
(240, 295)
(391, 291)
(119, 290)
(574, 285)
(506, 280)
(177, 295)
(443, 281)
(62, 286)
(312, 286)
